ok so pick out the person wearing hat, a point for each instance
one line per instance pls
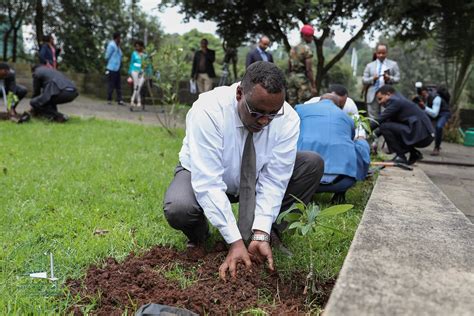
(301, 84)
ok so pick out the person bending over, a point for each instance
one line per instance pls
(50, 88)
(240, 146)
(8, 86)
(327, 130)
(403, 124)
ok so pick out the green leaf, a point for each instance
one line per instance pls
(284, 214)
(295, 225)
(335, 210)
(305, 229)
(313, 211)
(292, 217)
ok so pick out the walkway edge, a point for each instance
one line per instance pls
(413, 253)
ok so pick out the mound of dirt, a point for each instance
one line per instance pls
(188, 280)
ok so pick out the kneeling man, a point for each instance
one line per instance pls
(240, 146)
(327, 130)
(50, 88)
(403, 124)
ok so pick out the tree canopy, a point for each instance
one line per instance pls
(237, 20)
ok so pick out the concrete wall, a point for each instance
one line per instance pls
(413, 253)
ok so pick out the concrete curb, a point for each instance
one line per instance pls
(413, 253)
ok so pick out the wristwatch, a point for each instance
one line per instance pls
(260, 237)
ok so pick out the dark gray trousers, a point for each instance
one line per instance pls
(183, 212)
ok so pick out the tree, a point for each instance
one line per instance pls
(83, 27)
(17, 12)
(238, 19)
(451, 24)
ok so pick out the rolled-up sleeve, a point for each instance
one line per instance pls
(434, 110)
(205, 141)
(274, 177)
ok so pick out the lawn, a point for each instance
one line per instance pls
(62, 183)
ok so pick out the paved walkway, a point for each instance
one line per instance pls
(456, 182)
(89, 107)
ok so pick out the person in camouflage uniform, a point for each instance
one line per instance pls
(301, 85)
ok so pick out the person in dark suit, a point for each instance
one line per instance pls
(203, 67)
(50, 88)
(7, 75)
(403, 124)
(259, 53)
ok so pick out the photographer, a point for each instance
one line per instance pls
(437, 108)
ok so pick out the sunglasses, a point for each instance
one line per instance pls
(257, 115)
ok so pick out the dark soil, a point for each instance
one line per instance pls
(155, 276)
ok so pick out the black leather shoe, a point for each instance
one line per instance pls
(339, 198)
(415, 155)
(400, 159)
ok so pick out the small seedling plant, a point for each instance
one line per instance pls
(363, 121)
(303, 219)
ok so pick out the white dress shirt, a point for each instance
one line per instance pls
(212, 151)
(350, 108)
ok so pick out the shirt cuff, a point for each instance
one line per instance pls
(263, 223)
(230, 233)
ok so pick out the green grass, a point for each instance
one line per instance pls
(60, 183)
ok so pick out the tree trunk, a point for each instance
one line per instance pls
(15, 44)
(39, 17)
(462, 75)
(6, 37)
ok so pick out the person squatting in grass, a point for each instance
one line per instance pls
(327, 130)
(8, 85)
(50, 88)
(240, 146)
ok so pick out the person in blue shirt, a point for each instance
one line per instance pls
(137, 70)
(437, 108)
(113, 56)
(327, 130)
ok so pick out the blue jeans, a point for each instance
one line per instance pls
(440, 122)
(341, 184)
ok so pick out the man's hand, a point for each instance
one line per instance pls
(237, 253)
(386, 77)
(376, 77)
(260, 251)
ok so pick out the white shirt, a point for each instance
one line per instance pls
(350, 108)
(381, 68)
(212, 151)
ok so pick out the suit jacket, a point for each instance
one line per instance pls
(254, 55)
(415, 123)
(371, 70)
(327, 130)
(47, 83)
(210, 58)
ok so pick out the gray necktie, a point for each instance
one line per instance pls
(247, 189)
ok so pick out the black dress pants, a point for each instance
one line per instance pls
(392, 132)
(50, 109)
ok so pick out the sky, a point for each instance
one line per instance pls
(172, 22)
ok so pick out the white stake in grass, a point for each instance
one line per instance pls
(44, 275)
